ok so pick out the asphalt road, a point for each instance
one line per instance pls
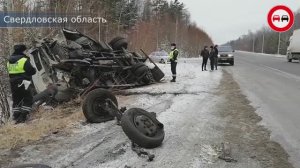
(273, 86)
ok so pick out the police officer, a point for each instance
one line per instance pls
(173, 58)
(205, 56)
(20, 72)
(216, 53)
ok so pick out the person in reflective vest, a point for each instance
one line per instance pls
(20, 73)
(173, 59)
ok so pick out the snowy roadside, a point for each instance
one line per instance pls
(176, 104)
(200, 111)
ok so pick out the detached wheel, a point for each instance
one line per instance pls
(94, 106)
(142, 128)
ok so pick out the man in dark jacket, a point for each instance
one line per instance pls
(20, 72)
(205, 56)
(216, 53)
(173, 58)
(212, 58)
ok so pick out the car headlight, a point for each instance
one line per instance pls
(219, 55)
(230, 55)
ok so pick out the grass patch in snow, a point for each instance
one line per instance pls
(42, 123)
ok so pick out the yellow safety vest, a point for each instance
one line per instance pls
(17, 67)
(171, 54)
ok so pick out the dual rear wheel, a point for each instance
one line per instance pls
(140, 126)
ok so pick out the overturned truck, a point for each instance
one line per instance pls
(81, 64)
(89, 68)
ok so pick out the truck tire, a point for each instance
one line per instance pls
(147, 78)
(142, 128)
(93, 103)
(137, 65)
(141, 72)
(157, 74)
(114, 40)
(118, 43)
(32, 166)
(289, 57)
(121, 44)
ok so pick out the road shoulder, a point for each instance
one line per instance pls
(249, 140)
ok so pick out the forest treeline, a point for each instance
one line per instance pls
(266, 40)
(148, 24)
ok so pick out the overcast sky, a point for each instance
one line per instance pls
(226, 20)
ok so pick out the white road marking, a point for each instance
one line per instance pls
(283, 73)
(279, 72)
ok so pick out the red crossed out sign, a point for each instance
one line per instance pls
(281, 18)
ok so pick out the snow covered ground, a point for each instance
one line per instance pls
(191, 111)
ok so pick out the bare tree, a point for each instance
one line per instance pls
(4, 105)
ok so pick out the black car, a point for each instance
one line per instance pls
(226, 55)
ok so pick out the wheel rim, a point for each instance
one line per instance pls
(99, 107)
(145, 125)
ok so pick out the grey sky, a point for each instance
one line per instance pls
(226, 20)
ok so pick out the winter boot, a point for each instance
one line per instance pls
(22, 117)
(174, 79)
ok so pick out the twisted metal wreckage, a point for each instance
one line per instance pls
(83, 64)
(92, 69)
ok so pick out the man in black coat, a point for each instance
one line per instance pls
(20, 73)
(216, 53)
(212, 58)
(205, 56)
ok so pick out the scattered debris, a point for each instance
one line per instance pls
(140, 152)
(226, 153)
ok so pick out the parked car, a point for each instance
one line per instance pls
(226, 55)
(160, 56)
(293, 50)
